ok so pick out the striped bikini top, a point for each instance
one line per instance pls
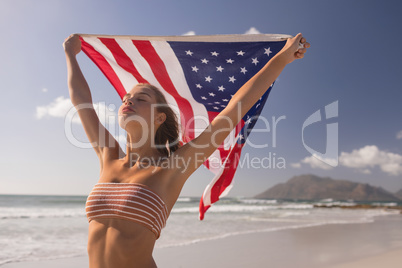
(129, 201)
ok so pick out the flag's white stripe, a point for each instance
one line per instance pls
(215, 158)
(215, 162)
(229, 141)
(176, 74)
(207, 192)
(127, 79)
(144, 69)
(227, 189)
(204, 38)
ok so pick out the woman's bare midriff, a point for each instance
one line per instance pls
(119, 243)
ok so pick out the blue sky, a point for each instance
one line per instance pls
(354, 59)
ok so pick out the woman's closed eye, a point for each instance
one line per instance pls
(137, 100)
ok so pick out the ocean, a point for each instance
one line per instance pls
(35, 228)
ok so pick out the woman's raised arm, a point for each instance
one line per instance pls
(200, 148)
(81, 98)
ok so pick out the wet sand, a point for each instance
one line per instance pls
(336, 246)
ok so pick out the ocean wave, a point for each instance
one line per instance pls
(184, 199)
(34, 213)
(244, 208)
(391, 204)
(222, 209)
(335, 203)
(296, 206)
(259, 201)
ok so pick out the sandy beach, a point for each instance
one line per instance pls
(334, 245)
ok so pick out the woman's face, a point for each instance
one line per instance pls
(137, 108)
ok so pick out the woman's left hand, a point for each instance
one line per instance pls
(291, 50)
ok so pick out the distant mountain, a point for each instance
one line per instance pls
(311, 187)
(399, 194)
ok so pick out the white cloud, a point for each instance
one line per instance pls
(44, 90)
(57, 108)
(61, 106)
(370, 156)
(189, 33)
(360, 158)
(295, 165)
(399, 135)
(363, 160)
(252, 30)
(315, 162)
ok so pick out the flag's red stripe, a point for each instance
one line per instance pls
(122, 59)
(227, 176)
(158, 67)
(223, 153)
(206, 163)
(203, 209)
(225, 179)
(104, 66)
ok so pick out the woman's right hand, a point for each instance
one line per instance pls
(72, 45)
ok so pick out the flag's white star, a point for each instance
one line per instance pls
(255, 61)
(243, 70)
(188, 52)
(219, 69)
(223, 105)
(225, 100)
(267, 51)
(208, 79)
(248, 121)
(204, 61)
(216, 102)
(231, 95)
(257, 105)
(215, 53)
(240, 53)
(211, 94)
(229, 61)
(216, 108)
(241, 137)
(204, 98)
(221, 88)
(195, 69)
(260, 98)
(198, 86)
(232, 79)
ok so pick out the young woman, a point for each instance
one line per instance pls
(136, 191)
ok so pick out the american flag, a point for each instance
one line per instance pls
(198, 76)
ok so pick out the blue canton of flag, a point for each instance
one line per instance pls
(215, 71)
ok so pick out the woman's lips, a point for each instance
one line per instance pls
(127, 109)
